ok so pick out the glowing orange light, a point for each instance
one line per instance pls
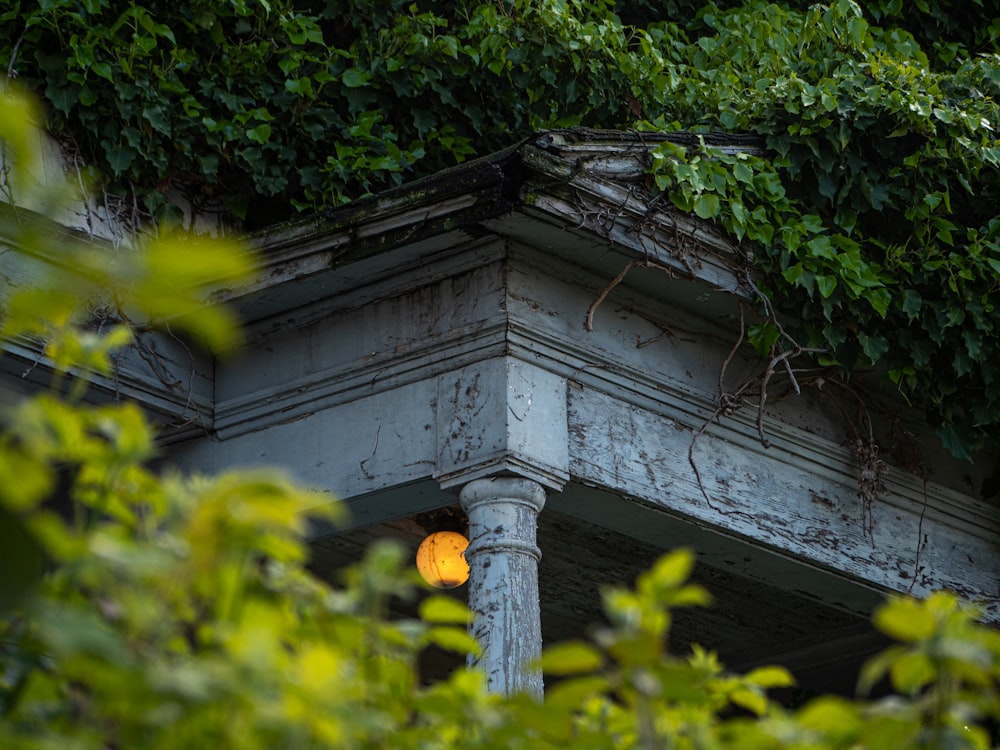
(441, 559)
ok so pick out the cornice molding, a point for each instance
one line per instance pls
(583, 365)
(289, 400)
(690, 408)
(180, 411)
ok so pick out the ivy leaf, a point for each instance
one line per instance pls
(762, 336)
(879, 299)
(828, 186)
(355, 78)
(259, 134)
(960, 445)
(826, 285)
(707, 205)
(874, 347)
(973, 343)
(859, 30)
(912, 303)
(742, 172)
(120, 157)
(104, 71)
(156, 116)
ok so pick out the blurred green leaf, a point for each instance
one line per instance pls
(668, 572)
(444, 610)
(911, 672)
(906, 620)
(770, 677)
(20, 561)
(571, 657)
(453, 639)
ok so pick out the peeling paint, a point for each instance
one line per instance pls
(503, 580)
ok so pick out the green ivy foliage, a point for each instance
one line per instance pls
(312, 103)
(874, 222)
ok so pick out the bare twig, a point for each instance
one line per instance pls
(732, 352)
(771, 315)
(664, 331)
(147, 352)
(588, 322)
(694, 465)
(791, 377)
(11, 73)
(371, 455)
(776, 359)
(191, 360)
(920, 539)
(571, 380)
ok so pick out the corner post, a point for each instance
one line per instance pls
(503, 580)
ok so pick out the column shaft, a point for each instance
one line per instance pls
(503, 580)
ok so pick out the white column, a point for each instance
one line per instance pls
(503, 580)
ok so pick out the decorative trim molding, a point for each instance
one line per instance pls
(584, 361)
(180, 413)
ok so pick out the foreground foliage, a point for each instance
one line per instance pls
(143, 610)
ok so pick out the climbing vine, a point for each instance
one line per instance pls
(872, 221)
(871, 215)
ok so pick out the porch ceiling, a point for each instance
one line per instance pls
(749, 623)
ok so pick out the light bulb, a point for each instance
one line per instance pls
(441, 559)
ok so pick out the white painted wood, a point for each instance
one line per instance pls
(363, 342)
(657, 524)
(358, 447)
(60, 190)
(394, 388)
(503, 580)
(171, 381)
(807, 509)
(57, 189)
(502, 415)
(623, 216)
(169, 378)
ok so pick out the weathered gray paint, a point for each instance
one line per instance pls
(170, 379)
(489, 369)
(503, 580)
(784, 498)
(502, 414)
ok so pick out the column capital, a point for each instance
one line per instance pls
(502, 489)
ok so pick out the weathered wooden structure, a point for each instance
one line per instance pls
(431, 346)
